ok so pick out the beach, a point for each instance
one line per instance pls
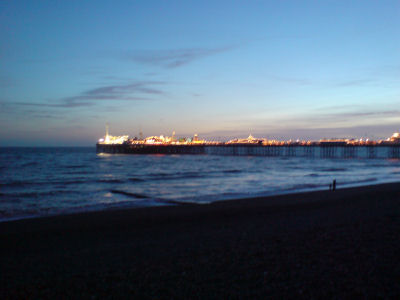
(334, 244)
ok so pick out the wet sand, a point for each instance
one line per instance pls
(340, 244)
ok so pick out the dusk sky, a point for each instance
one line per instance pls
(221, 69)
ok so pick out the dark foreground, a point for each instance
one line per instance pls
(322, 244)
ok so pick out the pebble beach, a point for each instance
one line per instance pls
(335, 244)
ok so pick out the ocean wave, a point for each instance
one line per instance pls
(24, 183)
(176, 176)
(129, 194)
(40, 194)
(189, 175)
(45, 183)
(371, 179)
(15, 184)
(333, 169)
(62, 182)
(77, 172)
(110, 181)
(305, 186)
(377, 165)
(165, 174)
(175, 202)
(29, 164)
(74, 167)
(4, 199)
(232, 171)
(135, 179)
(313, 175)
(67, 182)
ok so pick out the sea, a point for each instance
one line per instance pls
(37, 182)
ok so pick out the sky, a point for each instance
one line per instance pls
(221, 69)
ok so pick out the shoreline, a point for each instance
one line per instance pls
(312, 244)
(166, 202)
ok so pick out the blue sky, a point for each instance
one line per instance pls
(222, 69)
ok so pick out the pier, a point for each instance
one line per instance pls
(312, 151)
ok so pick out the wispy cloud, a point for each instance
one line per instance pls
(344, 122)
(356, 82)
(66, 104)
(173, 58)
(338, 119)
(378, 76)
(134, 91)
(354, 115)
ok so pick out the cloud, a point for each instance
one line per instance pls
(66, 104)
(355, 82)
(140, 90)
(134, 91)
(316, 124)
(382, 76)
(346, 119)
(173, 58)
(355, 115)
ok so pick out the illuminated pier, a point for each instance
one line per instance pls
(334, 151)
(332, 148)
